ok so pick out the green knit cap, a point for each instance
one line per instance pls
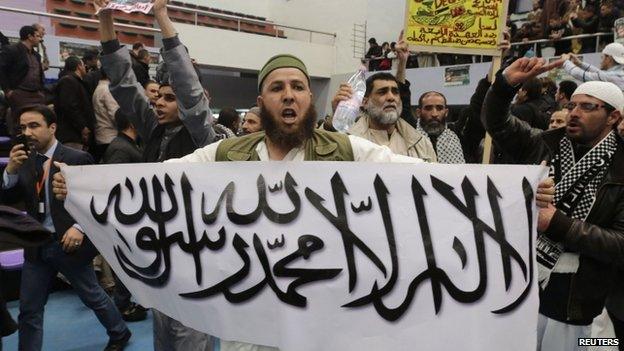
(281, 61)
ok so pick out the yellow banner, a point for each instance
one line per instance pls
(455, 26)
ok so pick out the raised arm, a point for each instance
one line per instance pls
(586, 72)
(402, 52)
(193, 104)
(511, 134)
(124, 87)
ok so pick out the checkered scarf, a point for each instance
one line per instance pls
(575, 194)
(448, 147)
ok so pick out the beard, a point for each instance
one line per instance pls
(433, 127)
(285, 138)
(382, 117)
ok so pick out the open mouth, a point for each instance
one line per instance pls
(289, 115)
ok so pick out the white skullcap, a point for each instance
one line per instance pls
(605, 91)
(615, 50)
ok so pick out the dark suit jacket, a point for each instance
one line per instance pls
(122, 150)
(25, 190)
(74, 109)
(14, 65)
(141, 70)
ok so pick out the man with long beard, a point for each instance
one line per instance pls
(383, 105)
(288, 117)
(381, 124)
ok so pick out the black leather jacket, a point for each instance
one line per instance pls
(14, 66)
(600, 238)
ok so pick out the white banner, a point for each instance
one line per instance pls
(129, 6)
(324, 255)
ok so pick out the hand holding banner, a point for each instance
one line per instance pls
(129, 6)
(455, 26)
(323, 255)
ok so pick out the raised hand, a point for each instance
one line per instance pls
(160, 5)
(402, 50)
(17, 157)
(100, 4)
(525, 68)
(505, 43)
(162, 17)
(344, 93)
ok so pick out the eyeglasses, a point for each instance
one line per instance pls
(584, 106)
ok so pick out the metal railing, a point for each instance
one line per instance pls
(76, 19)
(535, 43)
(578, 36)
(239, 20)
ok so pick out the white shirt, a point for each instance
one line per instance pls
(363, 151)
(10, 180)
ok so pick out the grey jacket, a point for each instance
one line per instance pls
(193, 105)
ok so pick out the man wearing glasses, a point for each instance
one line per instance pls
(611, 67)
(581, 242)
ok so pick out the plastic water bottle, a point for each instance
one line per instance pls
(348, 110)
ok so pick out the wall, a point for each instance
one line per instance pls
(524, 6)
(243, 51)
(327, 16)
(231, 89)
(10, 21)
(385, 19)
(249, 7)
(432, 78)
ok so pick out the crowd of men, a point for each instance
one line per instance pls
(548, 19)
(130, 118)
(555, 19)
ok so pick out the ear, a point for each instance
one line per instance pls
(259, 101)
(365, 101)
(614, 118)
(418, 112)
(53, 127)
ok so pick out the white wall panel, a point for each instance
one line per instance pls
(328, 16)
(223, 48)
